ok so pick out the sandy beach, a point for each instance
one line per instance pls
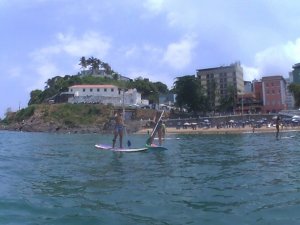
(173, 130)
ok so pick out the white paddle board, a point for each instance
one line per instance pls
(110, 148)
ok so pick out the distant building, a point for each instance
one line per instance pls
(218, 80)
(105, 94)
(248, 104)
(274, 94)
(296, 73)
(257, 90)
(290, 101)
(167, 99)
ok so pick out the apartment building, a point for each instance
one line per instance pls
(274, 94)
(217, 81)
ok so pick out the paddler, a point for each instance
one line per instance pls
(159, 128)
(119, 128)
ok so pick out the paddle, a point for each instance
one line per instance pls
(148, 142)
(128, 141)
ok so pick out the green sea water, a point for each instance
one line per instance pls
(200, 179)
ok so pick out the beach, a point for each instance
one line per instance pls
(229, 130)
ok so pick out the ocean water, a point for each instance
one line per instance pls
(200, 179)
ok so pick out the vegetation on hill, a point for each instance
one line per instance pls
(57, 85)
(54, 117)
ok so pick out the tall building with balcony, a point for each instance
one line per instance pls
(274, 94)
(219, 81)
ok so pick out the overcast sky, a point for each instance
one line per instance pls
(155, 39)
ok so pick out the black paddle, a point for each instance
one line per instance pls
(128, 141)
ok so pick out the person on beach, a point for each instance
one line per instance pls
(119, 128)
(277, 126)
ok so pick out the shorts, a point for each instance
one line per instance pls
(118, 128)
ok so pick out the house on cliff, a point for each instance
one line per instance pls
(103, 94)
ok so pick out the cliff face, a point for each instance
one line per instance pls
(73, 118)
(59, 118)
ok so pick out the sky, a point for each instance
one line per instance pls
(155, 39)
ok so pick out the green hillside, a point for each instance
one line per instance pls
(55, 117)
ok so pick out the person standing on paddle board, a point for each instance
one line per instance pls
(119, 128)
(159, 128)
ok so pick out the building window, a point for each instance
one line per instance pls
(98, 89)
(112, 90)
(83, 89)
(91, 89)
(105, 90)
(71, 90)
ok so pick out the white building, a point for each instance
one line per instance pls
(105, 94)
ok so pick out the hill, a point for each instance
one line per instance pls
(73, 118)
(59, 118)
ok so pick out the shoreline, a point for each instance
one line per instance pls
(173, 130)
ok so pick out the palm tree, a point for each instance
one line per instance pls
(83, 62)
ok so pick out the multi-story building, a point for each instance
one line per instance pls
(274, 94)
(257, 90)
(105, 94)
(296, 73)
(290, 101)
(219, 81)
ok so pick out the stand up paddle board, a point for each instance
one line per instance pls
(155, 147)
(167, 138)
(288, 137)
(110, 148)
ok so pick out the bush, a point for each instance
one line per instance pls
(24, 113)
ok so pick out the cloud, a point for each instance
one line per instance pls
(250, 73)
(91, 43)
(278, 60)
(14, 72)
(45, 71)
(179, 54)
(274, 60)
(47, 61)
(155, 6)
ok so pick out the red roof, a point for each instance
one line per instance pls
(94, 86)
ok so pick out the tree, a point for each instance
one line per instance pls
(83, 62)
(94, 64)
(295, 90)
(35, 97)
(190, 94)
(228, 101)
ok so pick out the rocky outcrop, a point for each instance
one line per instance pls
(43, 120)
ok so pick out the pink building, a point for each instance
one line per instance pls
(273, 93)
